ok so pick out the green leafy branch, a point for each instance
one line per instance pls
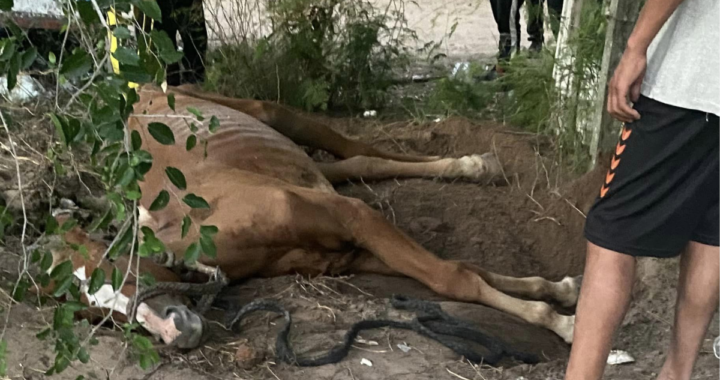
(90, 117)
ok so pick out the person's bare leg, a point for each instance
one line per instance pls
(697, 302)
(604, 298)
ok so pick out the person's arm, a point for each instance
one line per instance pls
(627, 80)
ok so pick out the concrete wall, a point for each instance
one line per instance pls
(42, 7)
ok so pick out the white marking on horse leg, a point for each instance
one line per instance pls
(474, 167)
(144, 217)
(568, 291)
(542, 314)
(106, 297)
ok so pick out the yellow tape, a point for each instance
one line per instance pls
(112, 20)
(113, 41)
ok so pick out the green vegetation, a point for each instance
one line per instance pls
(527, 96)
(90, 114)
(321, 54)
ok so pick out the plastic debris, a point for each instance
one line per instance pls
(366, 342)
(370, 113)
(460, 67)
(619, 357)
(404, 347)
(26, 89)
(366, 362)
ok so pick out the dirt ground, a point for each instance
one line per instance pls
(528, 224)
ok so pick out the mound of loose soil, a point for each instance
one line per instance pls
(527, 226)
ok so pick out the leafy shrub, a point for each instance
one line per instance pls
(90, 113)
(527, 96)
(462, 93)
(320, 54)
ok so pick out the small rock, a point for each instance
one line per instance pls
(366, 362)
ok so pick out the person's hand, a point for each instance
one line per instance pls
(625, 86)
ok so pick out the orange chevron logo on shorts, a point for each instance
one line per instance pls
(604, 191)
(626, 133)
(619, 149)
(609, 177)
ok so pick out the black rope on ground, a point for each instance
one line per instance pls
(431, 321)
(434, 324)
(207, 293)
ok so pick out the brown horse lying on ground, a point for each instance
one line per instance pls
(278, 214)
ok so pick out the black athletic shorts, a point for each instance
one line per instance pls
(661, 190)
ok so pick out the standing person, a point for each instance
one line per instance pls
(188, 18)
(507, 17)
(660, 196)
(501, 14)
(535, 27)
(555, 9)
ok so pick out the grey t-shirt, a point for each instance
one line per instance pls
(683, 67)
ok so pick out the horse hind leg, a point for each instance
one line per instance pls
(565, 291)
(353, 221)
(299, 129)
